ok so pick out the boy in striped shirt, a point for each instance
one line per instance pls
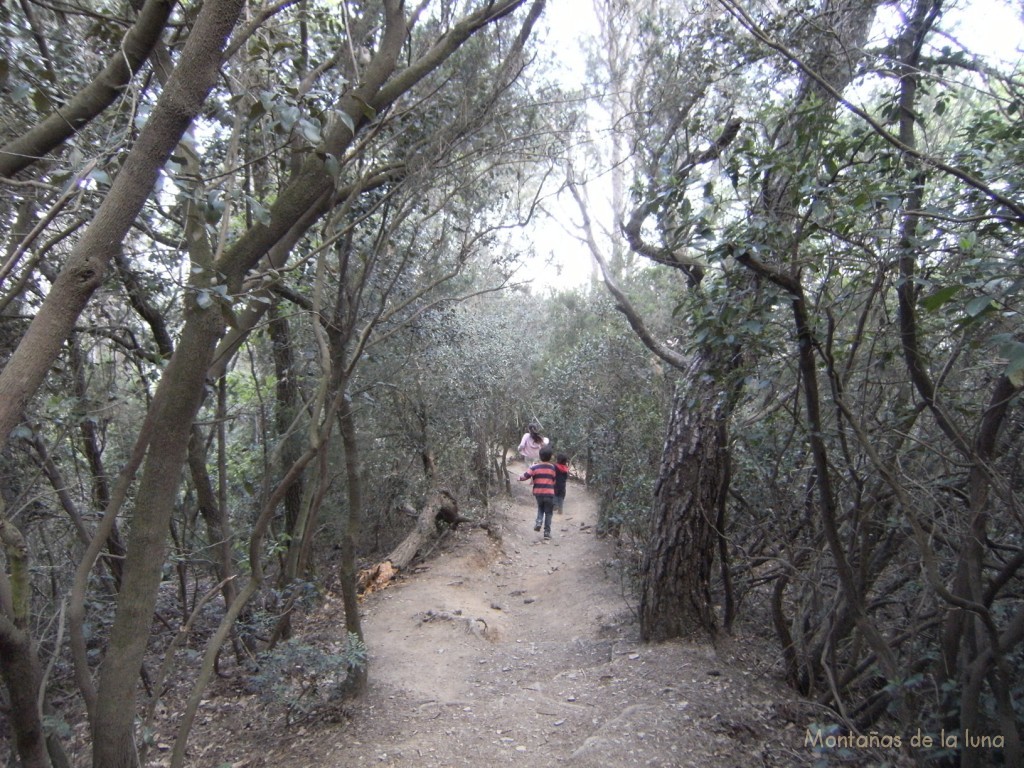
(543, 476)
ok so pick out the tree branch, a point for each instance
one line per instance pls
(666, 353)
(108, 85)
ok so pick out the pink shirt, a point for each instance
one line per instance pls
(530, 448)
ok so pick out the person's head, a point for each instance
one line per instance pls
(545, 454)
(562, 458)
(534, 430)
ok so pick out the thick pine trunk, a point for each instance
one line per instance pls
(676, 593)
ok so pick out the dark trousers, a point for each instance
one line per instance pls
(545, 506)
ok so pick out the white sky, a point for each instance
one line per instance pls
(562, 262)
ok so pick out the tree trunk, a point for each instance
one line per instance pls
(23, 678)
(675, 600)
(218, 527)
(91, 447)
(18, 656)
(357, 680)
(178, 399)
(694, 471)
(287, 405)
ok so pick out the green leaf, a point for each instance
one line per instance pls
(940, 297)
(1014, 352)
(349, 123)
(256, 111)
(21, 432)
(40, 102)
(288, 115)
(310, 132)
(976, 307)
(259, 212)
(333, 167)
(368, 112)
(101, 177)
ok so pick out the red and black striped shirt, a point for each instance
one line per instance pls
(543, 475)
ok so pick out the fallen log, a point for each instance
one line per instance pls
(440, 507)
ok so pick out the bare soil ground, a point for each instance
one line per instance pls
(514, 651)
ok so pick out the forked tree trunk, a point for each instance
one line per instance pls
(676, 594)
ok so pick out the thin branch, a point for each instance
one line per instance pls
(623, 304)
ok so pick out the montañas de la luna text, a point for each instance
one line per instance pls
(874, 740)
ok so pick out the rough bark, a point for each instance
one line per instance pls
(676, 594)
(694, 473)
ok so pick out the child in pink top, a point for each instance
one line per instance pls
(530, 445)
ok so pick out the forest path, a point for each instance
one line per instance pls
(524, 652)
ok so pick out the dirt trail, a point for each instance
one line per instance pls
(524, 652)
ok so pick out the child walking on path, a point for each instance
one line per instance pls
(532, 442)
(543, 476)
(561, 476)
